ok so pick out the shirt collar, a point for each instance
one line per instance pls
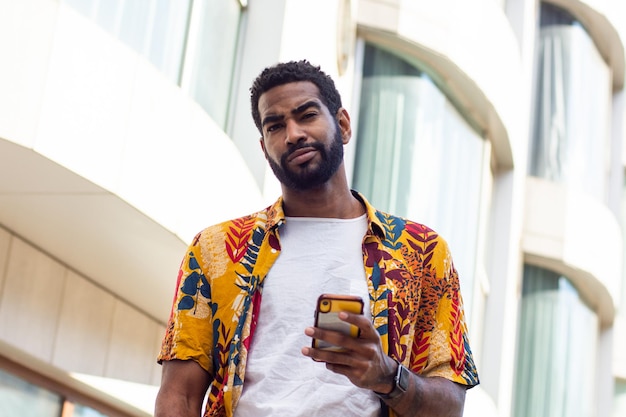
(373, 220)
(276, 215)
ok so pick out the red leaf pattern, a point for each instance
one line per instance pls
(238, 237)
(457, 360)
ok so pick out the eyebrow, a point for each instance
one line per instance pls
(298, 110)
(303, 107)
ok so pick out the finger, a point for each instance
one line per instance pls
(342, 359)
(332, 337)
(366, 327)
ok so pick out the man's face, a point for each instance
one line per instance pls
(302, 141)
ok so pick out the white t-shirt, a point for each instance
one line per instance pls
(317, 256)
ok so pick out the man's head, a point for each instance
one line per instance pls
(303, 126)
(293, 71)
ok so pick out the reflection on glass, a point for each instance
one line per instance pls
(20, 398)
(211, 55)
(556, 348)
(156, 29)
(84, 411)
(571, 130)
(417, 157)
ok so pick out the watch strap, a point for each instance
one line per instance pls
(400, 383)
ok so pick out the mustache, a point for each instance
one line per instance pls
(317, 146)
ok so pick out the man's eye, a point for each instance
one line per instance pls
(272, 128)
(309, 115)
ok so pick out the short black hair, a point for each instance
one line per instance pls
(293, 71)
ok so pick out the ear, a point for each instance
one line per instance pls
(262, 143)
(343, 119)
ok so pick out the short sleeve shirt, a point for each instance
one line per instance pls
(415, 300)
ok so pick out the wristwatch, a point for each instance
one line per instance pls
(400, 383)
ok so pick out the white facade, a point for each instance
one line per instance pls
(108, 167)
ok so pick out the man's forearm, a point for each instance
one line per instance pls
(433, 396)
(183, 386)
(175, 406)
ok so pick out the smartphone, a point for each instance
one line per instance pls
(327, 316)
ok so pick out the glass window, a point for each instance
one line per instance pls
(84, 411)
(20, 398)
(167, 36)
(622, 298)
(417, 157)
(133, 26)
(211, 55)
(204, 31)
(556, 348)
(108, 14)
(571, 129)
(619, 403)
(156, 29)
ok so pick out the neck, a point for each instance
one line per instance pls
(327, 201)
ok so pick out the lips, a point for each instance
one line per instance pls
(301, 155)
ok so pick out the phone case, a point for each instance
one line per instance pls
(326, 316)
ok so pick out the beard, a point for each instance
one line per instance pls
(310, 177)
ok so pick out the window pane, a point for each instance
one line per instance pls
(167, 36)
(108, 15)
(619, 403)
(212, 56)
(155, 29)
(572, 113)
(86, 7)
(556, 348)
(20, 398)
(84, 411)
(417, 157)
(134, 24)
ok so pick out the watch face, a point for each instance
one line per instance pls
(402, 380)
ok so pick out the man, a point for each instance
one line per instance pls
(240, 326)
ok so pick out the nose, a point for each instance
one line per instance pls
(294, 132)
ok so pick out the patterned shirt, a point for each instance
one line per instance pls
(414, 293)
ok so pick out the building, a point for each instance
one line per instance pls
(125, 129)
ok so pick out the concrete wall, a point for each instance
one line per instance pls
(51, 314)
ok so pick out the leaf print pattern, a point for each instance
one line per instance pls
(237, 238)
(457, 345)
(420, 352)
(423, 290)
(393, 227)
(221, 337)
(195, 289)
(413, 292)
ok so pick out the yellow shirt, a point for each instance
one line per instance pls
(414, 292)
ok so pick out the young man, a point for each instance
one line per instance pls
(241, 323)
